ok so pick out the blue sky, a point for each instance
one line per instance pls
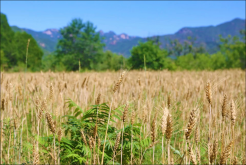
(135, 18)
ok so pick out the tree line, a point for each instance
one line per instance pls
(81, 49)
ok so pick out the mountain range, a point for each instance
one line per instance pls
(123, 43)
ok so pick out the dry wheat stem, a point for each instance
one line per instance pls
(117, 141)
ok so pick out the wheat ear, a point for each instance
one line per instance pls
(117, 142)
(191, 124)
(214, 152)
(169, 134)
(224, 110)
(226, 153)
(119, 82)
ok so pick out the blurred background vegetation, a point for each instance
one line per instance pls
(81, 49)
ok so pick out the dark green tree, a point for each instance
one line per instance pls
(112, 61)
(81, 42)
(49, 62)
(7, 44)
(13, 49)
(34, 58)
(234, 51)
(3, 60)
(218, 61)
(150, 54)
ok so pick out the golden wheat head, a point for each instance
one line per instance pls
(191, 124)
(119, 82)
(169, 129)
(50, 123)
(209, 93)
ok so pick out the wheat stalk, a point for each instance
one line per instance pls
(50, 123)
(125, 113)
(209, 93)
(209, 98)
(119, 82)
(83, 137)
(191, 124)
(59, 133)
(163, 129)
(233, 119)
(114, 90)
(224, 110)
(169, 134)
(52, 129)
(117, 142)
(153, 135)
(123, 121)
(234, 162)
(226, 153)
(233, 113)
(213, 154)
(192, 156)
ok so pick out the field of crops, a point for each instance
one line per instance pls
(135, 117)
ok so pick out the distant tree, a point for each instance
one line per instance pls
(34, 51)
(234, 51)
(49, 62)
(186, 62)
(218, 61)
(177, 48)
(149, 53)
(111, 61)
(81, 42)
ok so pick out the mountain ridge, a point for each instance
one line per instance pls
(122, 43)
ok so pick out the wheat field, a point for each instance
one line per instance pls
(139, 117)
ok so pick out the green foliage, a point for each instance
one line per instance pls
(149, 53)
(201, 62)
(81, 42)
(34, 52)
(234, 51)
(231, 55)
(50, 62)
(7, 36)
(178, 49)
(73, 148)
(111, 61)
(3, 60)
(218, 61)
(13, 49)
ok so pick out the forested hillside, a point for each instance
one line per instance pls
(80, 47)
(208, 36)
(13, 49)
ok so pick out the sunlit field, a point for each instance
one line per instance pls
(138, 117)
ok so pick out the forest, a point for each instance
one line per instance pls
(81, 49)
